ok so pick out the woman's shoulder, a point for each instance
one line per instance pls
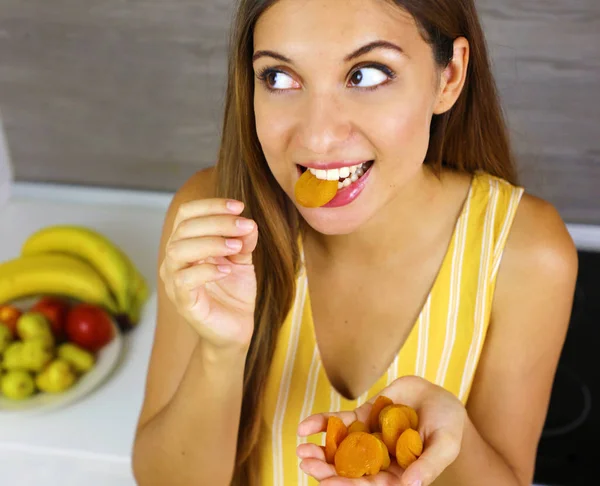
(539, 246)
(541, 237)
(199, 185)
(540, 256)
(538, 226)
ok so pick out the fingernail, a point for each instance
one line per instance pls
(224, 269)
(244, 224)
(416, 483)
(235, 206)
(233, 244)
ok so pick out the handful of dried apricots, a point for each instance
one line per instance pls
(365, 449)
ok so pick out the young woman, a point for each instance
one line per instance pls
(430, 277)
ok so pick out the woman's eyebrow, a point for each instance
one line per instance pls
(380, 44)
(361, 51)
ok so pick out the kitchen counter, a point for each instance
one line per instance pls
(87, 442)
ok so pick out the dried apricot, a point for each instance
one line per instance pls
(365, 448)
(393, 421)
(408, 448)
(358, 455)
(380, 403)
(412, 416)
(384, 450)
(358, 426)
(336, 433)
(311, 192)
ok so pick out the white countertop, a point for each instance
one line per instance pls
(88, 442)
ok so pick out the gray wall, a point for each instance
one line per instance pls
(130, 93)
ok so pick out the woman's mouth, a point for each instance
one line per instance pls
(344, 175)
(351, 181)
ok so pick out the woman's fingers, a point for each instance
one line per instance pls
(188, 280)
(216, 225)
(308, 450)
(441, 451)
(197, 275)
(219, 235)
(206, 229)
(318, 422)
(182, 253)
(207, 207)
(249, 242)
(363, 412)
(317, 468)
(381, 479)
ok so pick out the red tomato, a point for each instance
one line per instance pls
(55, 310)
(89, 326)
(9, 315)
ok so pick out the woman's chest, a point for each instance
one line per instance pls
(360, 324)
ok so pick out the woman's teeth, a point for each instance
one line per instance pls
(344, 175)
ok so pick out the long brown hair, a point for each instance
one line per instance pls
(470, 137)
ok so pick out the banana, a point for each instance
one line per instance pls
(138, 291)
(139, 295)
(101, 253)
(54, 274)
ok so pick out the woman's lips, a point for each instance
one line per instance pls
(332, 165)
(346, 195)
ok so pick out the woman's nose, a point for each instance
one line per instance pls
(324, 124)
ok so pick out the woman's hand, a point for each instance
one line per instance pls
(441, 422)
(208, 271)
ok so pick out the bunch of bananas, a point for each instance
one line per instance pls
(77, 262)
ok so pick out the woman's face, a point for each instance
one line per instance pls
(326, 101)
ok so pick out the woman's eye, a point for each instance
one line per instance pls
(369, 77)
(274, 77)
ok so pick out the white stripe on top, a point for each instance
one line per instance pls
(284, 386)
(454, 294)
(480, 304)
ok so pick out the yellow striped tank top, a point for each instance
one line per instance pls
(443, 346)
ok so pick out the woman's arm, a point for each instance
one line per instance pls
(510, 395)
(192, 439)
(188, 425)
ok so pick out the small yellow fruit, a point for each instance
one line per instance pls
(18, 385)
(36, 353)
(81, 360)
(34, 325)
(5, 337)
(31, 355)
(57, 377)
(13, 356)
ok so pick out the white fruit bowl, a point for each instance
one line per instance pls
(107, 359)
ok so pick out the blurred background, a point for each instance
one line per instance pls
(122, 101)
(129, 93)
